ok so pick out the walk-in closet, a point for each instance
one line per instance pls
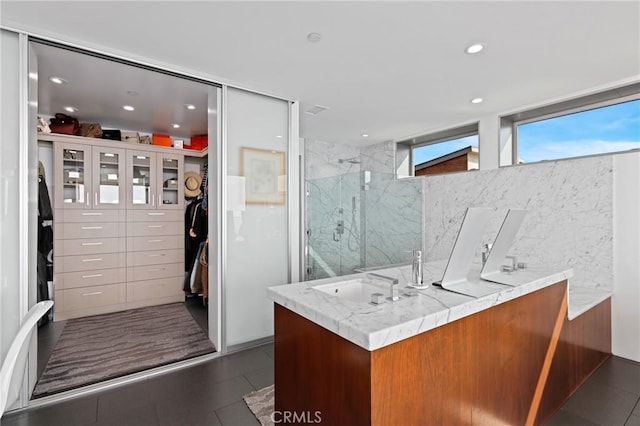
(123, 217)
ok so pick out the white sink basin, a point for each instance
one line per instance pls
(359, 290)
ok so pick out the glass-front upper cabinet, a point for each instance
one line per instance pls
(142, 169)
(108, 177)
(170, 178)
(73, 185)
(154, 180)
(88, 176)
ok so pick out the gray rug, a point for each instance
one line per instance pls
(260, 403)
(102, 347)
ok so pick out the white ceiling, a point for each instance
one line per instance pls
(389, 69)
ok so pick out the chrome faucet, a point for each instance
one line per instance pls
(417, 279)
(394, 294)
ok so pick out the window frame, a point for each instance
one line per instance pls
(561, 109)
(450, 134)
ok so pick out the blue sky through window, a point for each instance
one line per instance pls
(597, 131)
(429, 152)
(611, 128)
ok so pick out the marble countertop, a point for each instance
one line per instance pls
(375, 326)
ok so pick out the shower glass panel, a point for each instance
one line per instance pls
(333, 221)
(361, 221)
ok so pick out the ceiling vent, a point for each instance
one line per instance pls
(316, 109)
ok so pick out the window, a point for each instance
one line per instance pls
(445, 157)
(445, 151)
(600, 123)
(612, 128)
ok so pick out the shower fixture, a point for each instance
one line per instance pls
(352, 160)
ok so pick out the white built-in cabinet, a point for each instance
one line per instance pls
(118, 226)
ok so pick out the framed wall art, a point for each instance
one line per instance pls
(264, 173)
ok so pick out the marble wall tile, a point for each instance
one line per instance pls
(394, 220)
(321, 159)
(380, 224)
(569, 220)
(379, 157)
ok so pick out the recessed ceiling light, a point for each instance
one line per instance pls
(365, 135)
(314, 37)
(189, 106)
(57, 80)
(70, 109)
(128, 107)
(175, 126)
(476, 100)
(474, 48)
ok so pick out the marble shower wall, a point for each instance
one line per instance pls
(380, 223)
(570, 218)
(393, 221)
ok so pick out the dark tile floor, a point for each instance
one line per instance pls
(211, 394)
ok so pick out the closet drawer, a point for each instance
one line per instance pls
(150, 289)
(88, 246)
(91, 297)
(155, 216)
(90, 278)
(155, 243)
(155, 257)
(90, 230)
(89, 262)
(152, 272)
(73, 215)
(147, 229)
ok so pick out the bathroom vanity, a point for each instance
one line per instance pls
(433, 357)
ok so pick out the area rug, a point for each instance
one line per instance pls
(101, 347)
(260, 403)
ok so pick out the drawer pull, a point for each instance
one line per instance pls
(91, 244)
(92, 276)
(155, 214)
(155, 255)
(92, 227)
(92, 214)
(97, 259)
(155, 241)
(95, 293)
(154, 226)
(156, 270)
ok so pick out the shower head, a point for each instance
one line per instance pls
(352, 160)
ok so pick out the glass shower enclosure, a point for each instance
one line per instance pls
(361, 221)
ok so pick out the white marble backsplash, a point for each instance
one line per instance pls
(569, 221)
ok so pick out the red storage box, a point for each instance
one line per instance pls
(162, 140)
(198, 142)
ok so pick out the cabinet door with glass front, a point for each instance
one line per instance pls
(170, 179)
(72, 185)
(108, 177)
(141, 177)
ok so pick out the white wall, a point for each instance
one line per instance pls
(625, 307)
